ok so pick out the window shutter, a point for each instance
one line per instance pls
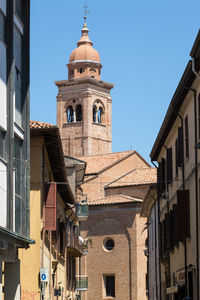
(186, 138)
(183, 214)
(50, 206)
(160, 239)
(167, 220)
(180, 146)
(159, 179)
(58, 236)
(164, 236)
(174, 226)
(171, 231)
(176, 150)
(163, 174)
(169, 166)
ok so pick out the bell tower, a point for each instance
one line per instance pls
(84, 103)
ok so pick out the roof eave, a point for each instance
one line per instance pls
(178, 98)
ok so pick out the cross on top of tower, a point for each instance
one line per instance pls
(86, 10)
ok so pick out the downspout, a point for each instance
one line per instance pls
(43, 209)
(196, 176)
(158, 214)
(196, 189)
(193, 68)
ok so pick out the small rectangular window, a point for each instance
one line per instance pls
(2, 26)
(186, 137)
(109, 285)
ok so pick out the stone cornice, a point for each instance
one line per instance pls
(85, 80)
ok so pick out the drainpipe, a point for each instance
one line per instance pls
(196, 176)
(193, 68)
(158, 213)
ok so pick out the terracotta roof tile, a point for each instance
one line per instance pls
(136, 177)
(96, 163)
(114, 199)
(40, 125)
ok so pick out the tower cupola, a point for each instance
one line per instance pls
(84, 61)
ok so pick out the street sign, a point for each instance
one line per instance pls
(44, 275)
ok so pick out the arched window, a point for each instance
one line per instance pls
(100, 112)
(70, 114)
(78, 113)
(94, 113)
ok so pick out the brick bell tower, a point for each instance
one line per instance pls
(84, 103)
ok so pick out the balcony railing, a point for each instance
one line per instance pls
(82, 211)
(75, 245)
(81, 283)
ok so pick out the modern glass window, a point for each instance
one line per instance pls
(2, 26)
(18, 75)
(18, 184)
(109, 285)
(18, 8)
(2, 136)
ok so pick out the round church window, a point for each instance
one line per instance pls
(109, 244)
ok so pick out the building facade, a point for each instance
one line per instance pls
(176, 150)
(14, 142)
(150, 210)
(115, 183)
(51, 263)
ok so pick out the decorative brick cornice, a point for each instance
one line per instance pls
(85, 80)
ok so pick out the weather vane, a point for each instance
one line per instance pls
(86, 9)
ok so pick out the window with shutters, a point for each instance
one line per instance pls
(169, 166)
(109, 285)
(186, 137)
(50, 207)
(183, 214)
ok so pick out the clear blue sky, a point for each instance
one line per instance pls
(144, 47)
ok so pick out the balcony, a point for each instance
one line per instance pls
(75, 246)
(82, 211)
(81, 283)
